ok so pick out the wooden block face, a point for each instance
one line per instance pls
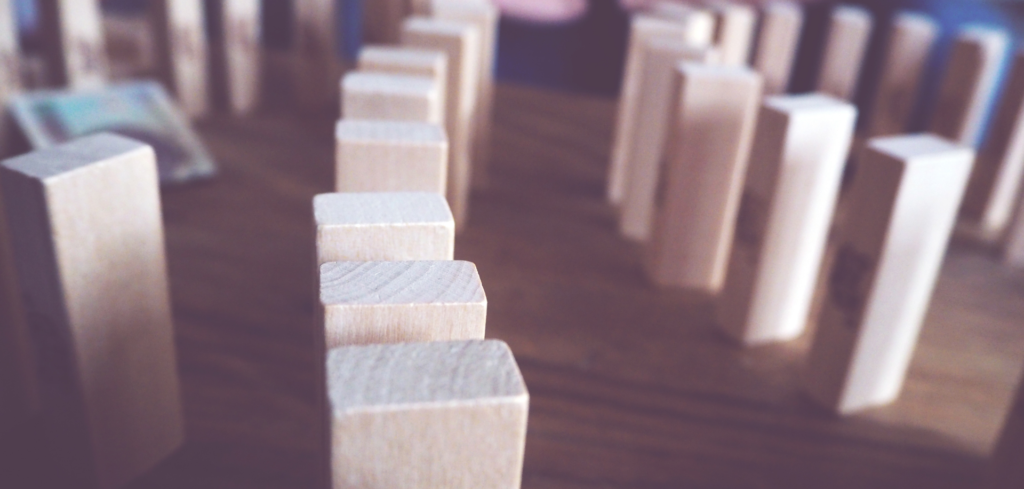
(704, 169)
(735, 31)
(181, 41)
(243, 53)
(424, 415)
(74, 42)
(89, 245)
(911, 40)
(401, 302)
(967, 86)
(317, 69)
(391, 156)
(383, 226)
(903, 203)
(777, 43)
(796, 167)
(10, 71)
(848, 36)
(381, 96)
(407, 61)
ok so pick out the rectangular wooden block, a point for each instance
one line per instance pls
(241, 44)
(781, 23)
(704, 168)
(317, 66)
(796, 167)
(968, 85)
(74, 47)
(848, 35)
(911, 39)
(408, 61)
(88, 242)
(401, 301)
(735, 31)
(390, 156)
(182, 53)
(427, 415)
(383, 96)
(903, 204)
(383, 226)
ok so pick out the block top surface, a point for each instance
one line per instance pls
(387, 83)
(723, 7)
(658, 20)
(814, 102)
(915, 21)
(400, 282)
(435, 26)
(721, 72)
(422, 58)
(918, 146)
(988, 36)
(789, 9)
(484, 10)
(74, 155)
(390, 132)
(408, 375)
(853, 14)
(381, 209)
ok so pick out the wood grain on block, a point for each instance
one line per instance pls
(88, 242)
(777, 42)
(1006, 471)
(390, 156)
(401, 301)
(796, 167)
(903, 204)
(10, 53)
(383, 226)
(76, 54)
(1013, 250)
(182, 52)
(382, 20)
(734, 33)
(461, 42)
(18, 390)
(439, 414)
(408, 61)
(911, 39)
(385, 96)
(848, 34)
(703, 176)
(241, 44)
(968, 85)
(317, 66)
(659, 88)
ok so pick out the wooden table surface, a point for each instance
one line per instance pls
(631, 386)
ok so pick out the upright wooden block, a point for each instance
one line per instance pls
(848, 34)
(796, 167)
(401, 301)
(317, 67)
(968, 86)
(390, 156)
(424, 415)
(903, 204)
(1013, 247)
(777, 42)
(704, 169)
(461, 42)
(383, 226)
(408, 61)
(182, 53)
(88, 242)
(75, 51)
(735, 31)
(384, 96)
(243, 67)
(911, 39)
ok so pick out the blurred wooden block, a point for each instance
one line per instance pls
(390, 156)
(968, 85)
(911, 39)
(903, 204)
(1006, 471)
(408, 61)
(382, 20)
(1013, 248)
(182, 53)
(88, 242)
(76, 54)
(777, 42)
(659, 88)
(383, 96)
(848, 35)
(401, 301)
(703, 181)
(440, 414)
(383, 226)
(241, 45)
(792, 184)
(317, 67)
(735, 31)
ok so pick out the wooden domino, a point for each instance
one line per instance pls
(88, 243)
(911, 39)
(796, 167)
(242, 53)
(73, 44)
(903, 204)
(180, 33)
(390, 156)
(735, 31)
(1013, 247)
(317, 68)
(777, 42)
(848, 35)
(439, 414)
(703, 177)
(384, 96)
(408, 61)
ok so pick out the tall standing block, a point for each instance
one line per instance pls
(382, 96)
(968, 85)
(735, 32)
(180, 32)
(792, 184)
(407, 61)
(390, 156)
(241, 20)
(903, 204)
(89, 246)
(75, 51)
(848, 36)
(911, 39)
(777, 43)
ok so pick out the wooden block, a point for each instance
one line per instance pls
(382, 19)
(383, 226)
(777, 42)
(461, 42)
(734, 32)
(390, 156)
(317, 68)
(704, 168)
(903, 203)
(401, 301)
(796, 167)
(1013, 247)
(849, 32)
(968, 86)
(182, 53)
(241, 44)
(696, 29)
(658, 90)
(440, 414)
(911, 40)
(408, 61)
(88, 243)
(75, 52)
(383, 96)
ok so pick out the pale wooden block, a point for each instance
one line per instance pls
(968, 85)
(792, 184)
(383, 226)
(1013, 248)
(384, 96)
(401, 301)
(316, 68)
(735, 32)
(777, 43)
(75, 50)
(382, 20)
(461, 41)
(390, 156)
(408, 61)
(903, 204)
(10, 64)
(243, 66)
(427, 415)
(848, 34)
(911, 39)
(182, 52)
(1006, 471)
(658, 91)
(703, 177)
(88, 242)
